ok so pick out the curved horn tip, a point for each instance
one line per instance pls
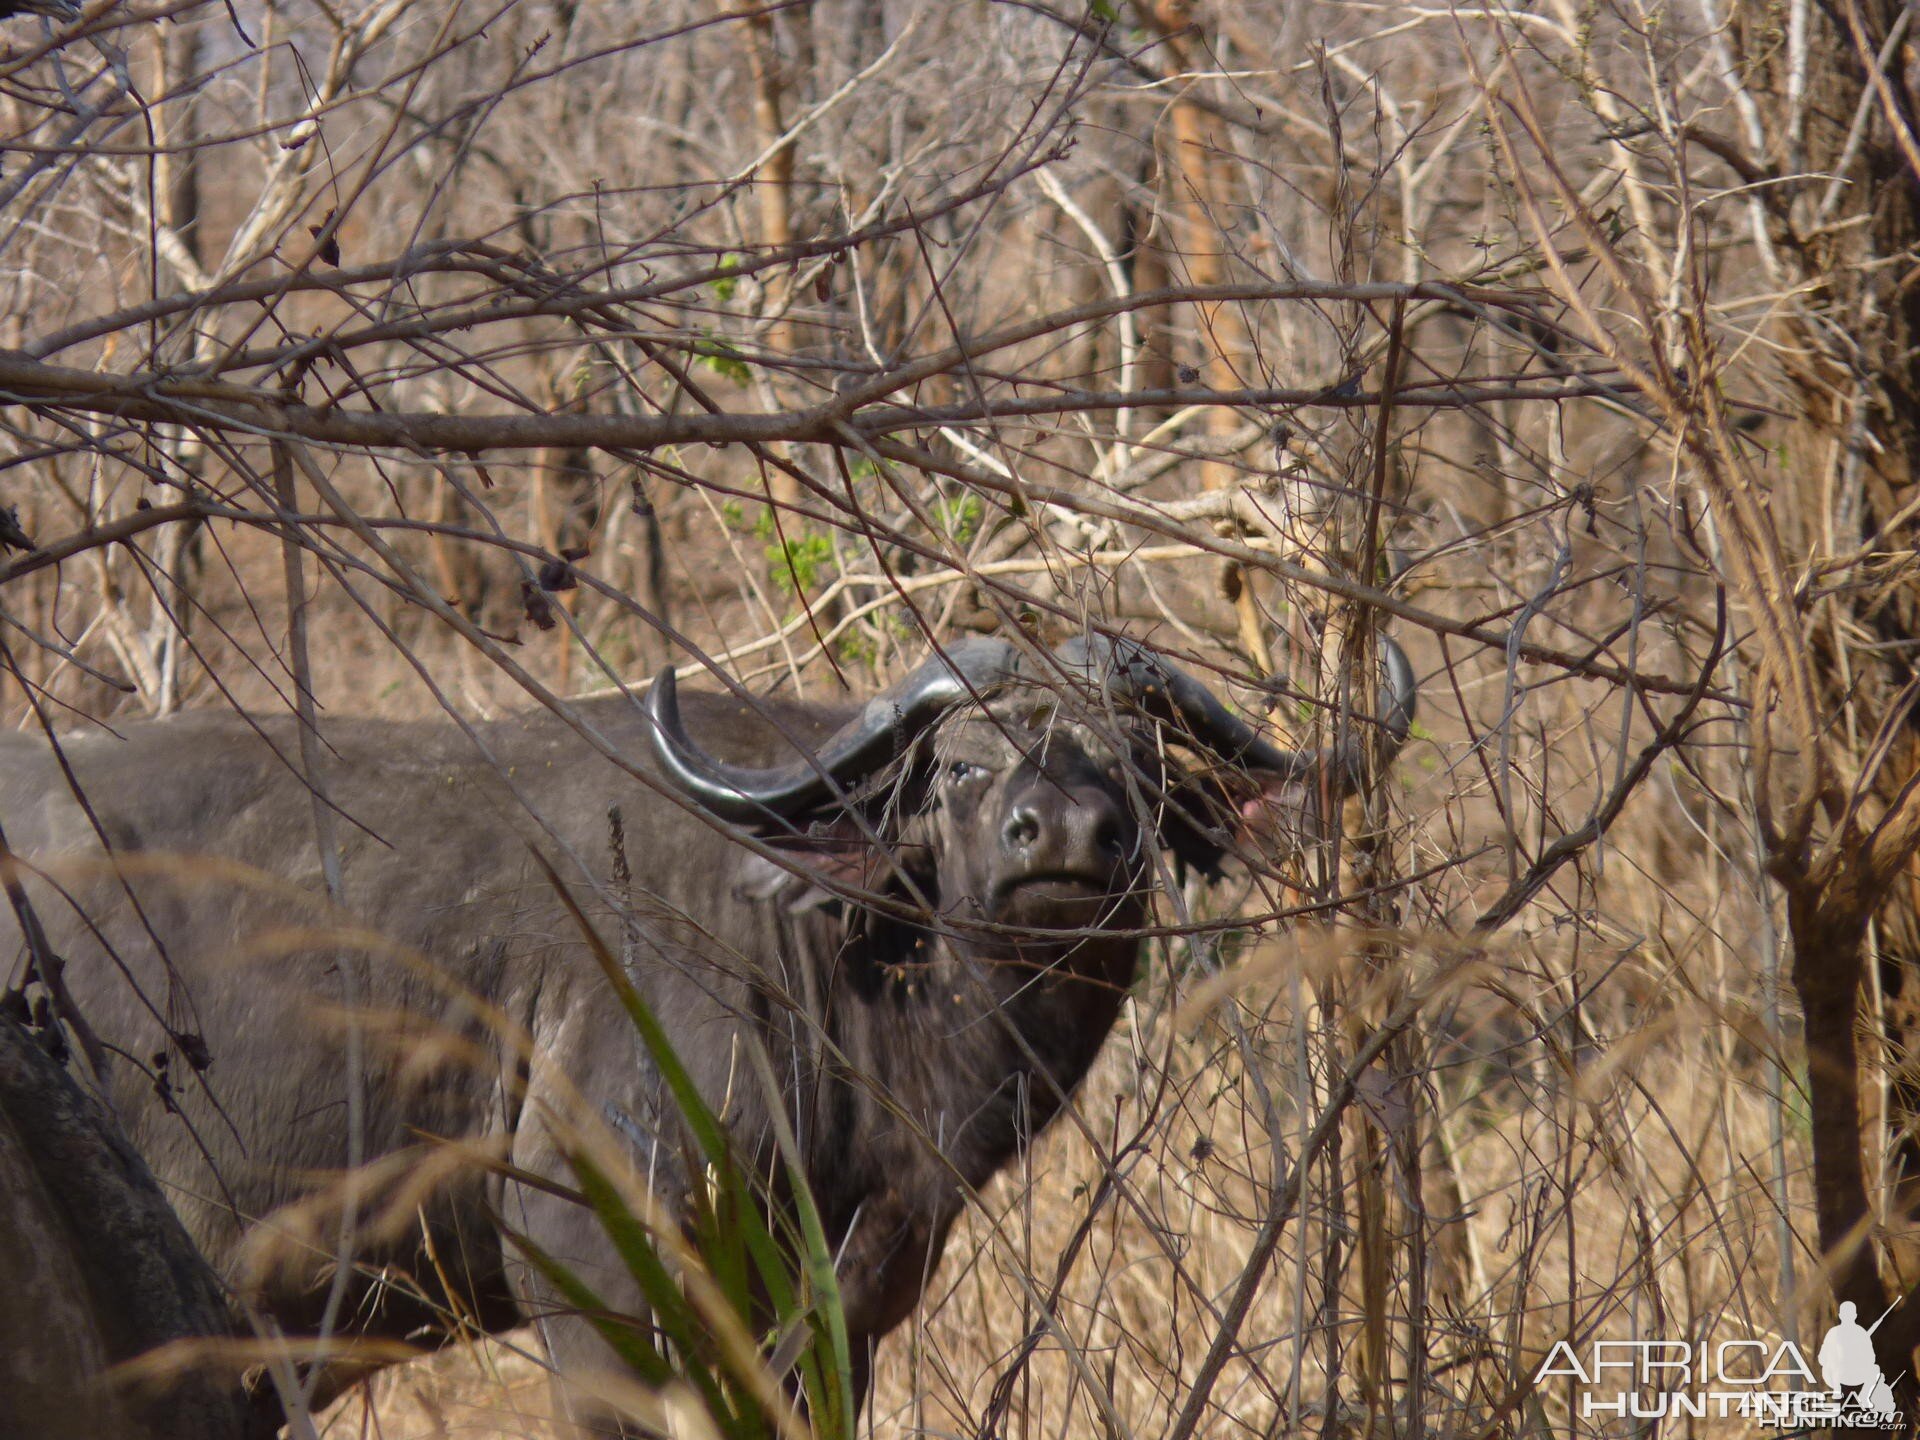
(662, 701)
(1402, 701)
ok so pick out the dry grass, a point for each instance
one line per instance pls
(487, 1388)
(1618, 1188)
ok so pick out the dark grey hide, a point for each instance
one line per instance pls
(95, 1271)
(914, 1057)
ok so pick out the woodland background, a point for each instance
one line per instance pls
(472, 354)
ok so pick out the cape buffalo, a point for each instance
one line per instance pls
(924, 910)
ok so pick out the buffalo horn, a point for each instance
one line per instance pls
(884, 728)
(1161, 689)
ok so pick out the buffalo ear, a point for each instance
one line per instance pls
(834, 850)
(1282, 811)
(1196, 822)
(1210, 816)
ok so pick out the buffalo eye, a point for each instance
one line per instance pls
(959, 770)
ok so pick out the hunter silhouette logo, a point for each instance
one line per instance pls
(1767, 1381)
(1849, 1366)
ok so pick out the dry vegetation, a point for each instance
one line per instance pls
(539, 345)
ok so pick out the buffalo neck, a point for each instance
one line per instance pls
(977, 1046)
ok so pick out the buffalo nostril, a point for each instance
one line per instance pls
(1023, 827)
(1106, 834)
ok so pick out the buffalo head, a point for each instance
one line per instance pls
(1013, 793)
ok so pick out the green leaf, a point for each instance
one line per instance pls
(828, 1397)
(791, 1275)
(722, 358)
(642, 1354)
(727, 362)
(799, 562)
(724, 287)
(960, 518)
(699, 1119)
(671, 1312)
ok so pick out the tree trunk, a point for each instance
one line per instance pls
(97, 1271)
(1853, 457)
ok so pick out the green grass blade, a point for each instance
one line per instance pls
(641, 1353)
(705, 1126)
